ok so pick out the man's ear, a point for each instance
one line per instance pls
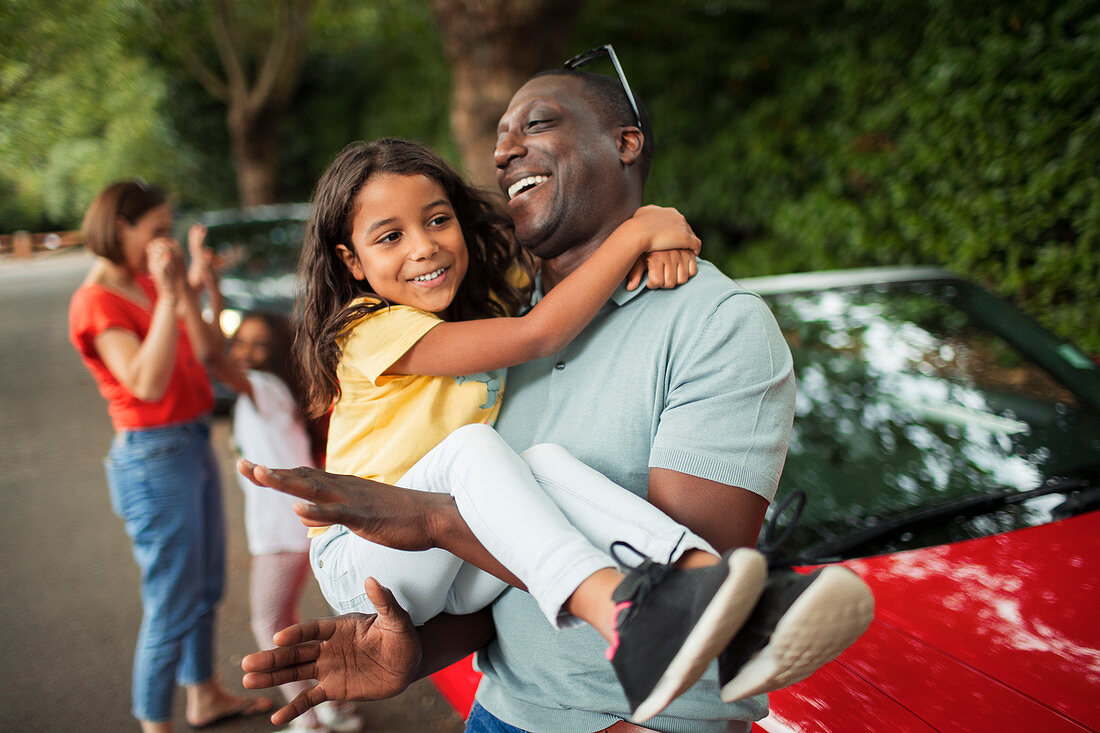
(351, 262)
(630, 143)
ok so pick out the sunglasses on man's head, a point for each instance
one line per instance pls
(592, 54)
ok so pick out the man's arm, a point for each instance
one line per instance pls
(363, 657)
(725, 516)
(727, 414)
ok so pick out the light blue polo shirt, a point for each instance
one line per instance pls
(698, 380)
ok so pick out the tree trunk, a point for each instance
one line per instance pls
(493, 47)
(253, 140)
(256, 86)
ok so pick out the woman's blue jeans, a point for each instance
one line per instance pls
(164, 484)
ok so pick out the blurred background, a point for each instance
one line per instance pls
(794, 134)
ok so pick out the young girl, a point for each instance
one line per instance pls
(268, 428)
(135, 322)
(407, 290)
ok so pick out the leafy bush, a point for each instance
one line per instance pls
(821, 134)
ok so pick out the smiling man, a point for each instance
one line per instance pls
(684, 396)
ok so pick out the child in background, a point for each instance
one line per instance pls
(405, 324)
(268, 428)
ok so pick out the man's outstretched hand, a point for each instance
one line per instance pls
(353, 657)
(388, 515)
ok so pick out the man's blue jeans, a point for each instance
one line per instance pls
(481, 720)
(164, 484)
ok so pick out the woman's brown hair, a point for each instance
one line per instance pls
(130, 200)
(327, 286)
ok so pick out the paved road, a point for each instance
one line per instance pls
(69, 605)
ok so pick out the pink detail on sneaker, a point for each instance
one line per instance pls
(619, 608)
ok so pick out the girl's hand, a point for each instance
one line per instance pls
(662, 228)
(196, 235)
(665, 269)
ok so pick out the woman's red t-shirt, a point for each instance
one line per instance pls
(93, 310)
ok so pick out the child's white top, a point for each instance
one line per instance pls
(383, 424)
(268, 430)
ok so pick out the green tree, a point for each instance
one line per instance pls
(76, 111)
(829, 133)
(248, 56)
(493, 46)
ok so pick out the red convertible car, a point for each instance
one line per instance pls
(950, 448)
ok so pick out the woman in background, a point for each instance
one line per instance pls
(136, 324)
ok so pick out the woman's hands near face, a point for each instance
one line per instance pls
(165, 262)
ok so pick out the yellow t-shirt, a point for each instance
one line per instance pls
(382, 425)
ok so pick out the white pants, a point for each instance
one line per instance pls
(545, 516)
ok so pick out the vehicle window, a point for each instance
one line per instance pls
(260, 259)
(906, 400)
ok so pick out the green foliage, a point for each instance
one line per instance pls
(821, 134)
(109, 98)
(76, 112)
(796, 134)
(371, 70)
(386, 78)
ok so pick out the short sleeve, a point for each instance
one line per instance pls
(383, 337)
(730, 399)
(266, 427)
(91, 312)
(270, 396)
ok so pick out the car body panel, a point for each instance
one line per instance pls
(842, 702)
(1000, 622)
(458, 683)
(996, 632)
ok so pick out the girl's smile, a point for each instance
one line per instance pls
(406, 242)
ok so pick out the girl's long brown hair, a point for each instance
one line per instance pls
(327, 286)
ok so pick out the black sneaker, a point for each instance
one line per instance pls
(801, 622)
(671, 623)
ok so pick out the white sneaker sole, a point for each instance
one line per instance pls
(722, 618)
(824, 621)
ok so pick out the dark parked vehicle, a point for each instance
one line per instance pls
(260, 247)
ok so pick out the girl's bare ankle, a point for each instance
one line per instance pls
(696, 559)
(592, 603)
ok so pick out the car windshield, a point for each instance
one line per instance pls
(915, 395)
(260, 249)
